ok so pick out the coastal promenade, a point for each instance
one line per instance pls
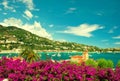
(9, 51)
(37, 51)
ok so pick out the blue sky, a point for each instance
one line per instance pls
(95, 22)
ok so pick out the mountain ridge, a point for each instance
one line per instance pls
(12, 37)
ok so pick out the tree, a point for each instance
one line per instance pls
(29, 55)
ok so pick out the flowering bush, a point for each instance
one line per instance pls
(15, 70)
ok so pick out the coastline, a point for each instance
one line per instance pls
(38, 51)
(9, 51)
(54, 51)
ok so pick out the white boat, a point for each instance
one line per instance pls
(59, 55)
(54, 55)
(90, 55)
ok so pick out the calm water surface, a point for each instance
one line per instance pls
(66, 55)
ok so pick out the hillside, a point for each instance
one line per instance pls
(15, 38)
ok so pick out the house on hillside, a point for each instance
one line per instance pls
(1, 41)
(11, 40)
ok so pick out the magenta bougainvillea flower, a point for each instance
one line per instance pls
(16, 70)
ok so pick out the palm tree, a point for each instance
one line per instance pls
(29, 55)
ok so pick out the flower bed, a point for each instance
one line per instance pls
(54, 71)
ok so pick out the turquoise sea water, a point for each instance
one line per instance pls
(66, 55)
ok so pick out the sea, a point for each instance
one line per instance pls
(115, 57)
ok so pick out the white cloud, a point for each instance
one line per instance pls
(29, 4)
(8, 6)
(34, 28)
(12, 22)
(37, 9)
(36, 16)
(116, 37)
(25, 17)
(104, 40)
(112, 30)
(70, 10)
(115, 27)
(51, 25)
(5, 13)
(82, 30)
(100, 13)
(118, 43)
(13, 10)
(62, 40)
(28, 14)
(107, 44)
(5, 5)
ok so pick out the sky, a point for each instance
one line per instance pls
(90, 22)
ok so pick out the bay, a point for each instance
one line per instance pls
(66, 55)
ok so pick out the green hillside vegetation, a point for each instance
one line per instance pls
(15, 38)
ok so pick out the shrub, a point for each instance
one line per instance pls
(118, 64)
(74, 62)
(91, 62)
(110, 64)
(102, 63)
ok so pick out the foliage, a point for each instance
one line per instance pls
(25, 38)
(29, 55)
(110, 64)
(91, 62)
(74, 62)
(118, 64)
(103, 63)
(16, 70)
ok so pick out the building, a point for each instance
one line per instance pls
(11, 40)
(2, 41)
(80, 59)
